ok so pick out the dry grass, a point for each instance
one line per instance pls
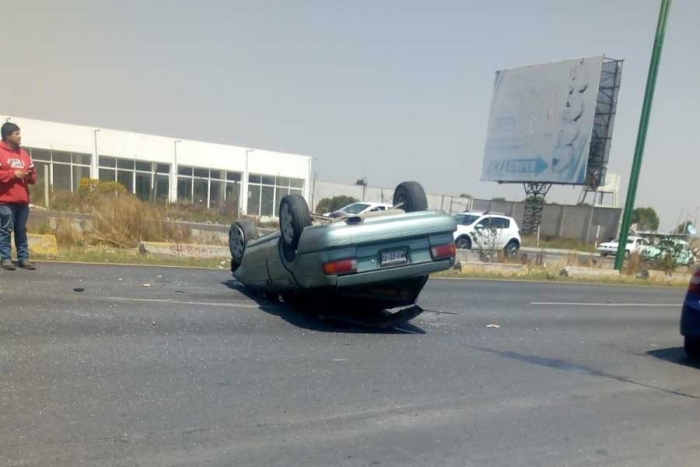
(118, 218)
(67, 232)
(124, 220)
(551, 274)
(199, 213)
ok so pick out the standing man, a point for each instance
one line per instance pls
(17, 172)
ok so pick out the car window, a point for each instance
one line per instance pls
(466, 219)
(500, 223)
(355, 208)
(485, 222)
(377, 208)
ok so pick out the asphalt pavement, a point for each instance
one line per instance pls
(140, 366)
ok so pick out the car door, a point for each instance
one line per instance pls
(484, 236)
(501, 226)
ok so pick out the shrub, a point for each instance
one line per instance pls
(91, 188)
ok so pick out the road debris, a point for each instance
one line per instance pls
(146, 285)
(78, 289)
(494, 326)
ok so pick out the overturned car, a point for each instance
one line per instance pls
(377, 260)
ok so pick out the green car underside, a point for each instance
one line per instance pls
(266, 266)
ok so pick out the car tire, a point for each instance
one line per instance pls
(463, 243)
(240, 233)
(512, 249)
(411, 197)
(294, 218)
(692, 347)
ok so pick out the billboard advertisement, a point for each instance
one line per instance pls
(541, 122)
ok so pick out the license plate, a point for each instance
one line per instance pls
(393, 258)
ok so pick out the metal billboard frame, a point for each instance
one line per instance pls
(598, 148)
(603, 122)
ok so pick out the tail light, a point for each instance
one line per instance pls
(343, 266)
(444, 251)
(694, 286)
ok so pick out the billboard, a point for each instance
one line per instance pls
(541, 122)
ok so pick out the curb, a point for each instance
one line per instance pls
(182, 250)
(575, 271)
(494, 268)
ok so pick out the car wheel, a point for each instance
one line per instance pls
(512, 249)
(692, 347)
(411, 197)
(463, 243)
(294, 218)
(239, 235)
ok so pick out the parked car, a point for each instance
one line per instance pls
(680, 250)
(358, 208)
(690, 317)
(381, 259)
(487, 231)
(634, 245)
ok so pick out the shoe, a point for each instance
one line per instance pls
(7, 265)
(26, 264)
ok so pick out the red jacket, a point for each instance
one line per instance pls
(13, 189)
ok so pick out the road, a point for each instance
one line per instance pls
(188, 371)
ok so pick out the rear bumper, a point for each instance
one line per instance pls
(690, 317)
(398, 273)
(375, 276)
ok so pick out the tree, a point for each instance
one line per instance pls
(645, 218)
(334, 203)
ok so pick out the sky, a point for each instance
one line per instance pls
(388, 90)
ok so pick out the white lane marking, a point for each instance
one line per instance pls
(652, 305)
(179, 302)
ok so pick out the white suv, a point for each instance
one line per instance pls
(487, 231)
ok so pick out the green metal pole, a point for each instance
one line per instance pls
(642, 133)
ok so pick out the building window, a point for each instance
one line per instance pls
(62, 169)
(149, 181)
(266, 192)
(208, 187)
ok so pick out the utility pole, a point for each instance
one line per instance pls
(642, 133)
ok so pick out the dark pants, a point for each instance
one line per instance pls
(14, 217)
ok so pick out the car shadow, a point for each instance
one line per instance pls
(674, 355)
(320, 319)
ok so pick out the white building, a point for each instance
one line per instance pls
(161, 168)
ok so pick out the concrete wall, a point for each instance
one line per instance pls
(557, 220)
(321, 190)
